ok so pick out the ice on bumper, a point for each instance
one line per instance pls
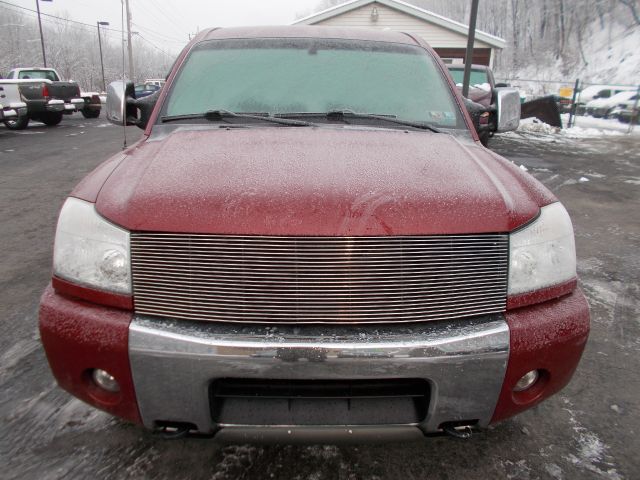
(174, 364)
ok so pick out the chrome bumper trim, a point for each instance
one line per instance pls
(55, 105)
(174, 362)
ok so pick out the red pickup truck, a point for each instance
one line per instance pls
(310, 243)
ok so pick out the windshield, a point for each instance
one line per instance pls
(39, 74)
(280, 76)
(478, 77)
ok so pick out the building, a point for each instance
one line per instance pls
(447, 37)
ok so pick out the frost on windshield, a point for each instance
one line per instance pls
(314, 76)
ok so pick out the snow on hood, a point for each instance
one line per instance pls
(320, 181)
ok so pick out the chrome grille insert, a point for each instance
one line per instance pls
(256, 279)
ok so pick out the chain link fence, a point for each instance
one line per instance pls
(573, 97)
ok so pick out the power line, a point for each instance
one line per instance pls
(55, 19)
(172, 19)
(157, 34)
(58, 18)
(155, 46)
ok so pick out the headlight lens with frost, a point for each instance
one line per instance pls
(543, 253)
(91, 251)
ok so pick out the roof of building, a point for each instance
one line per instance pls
(409, 9)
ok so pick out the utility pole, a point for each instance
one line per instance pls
(468, 58)
(44, 55)
(634, 112)
(131, 71)
(104, 85)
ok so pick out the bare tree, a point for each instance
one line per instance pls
(72, 49)
(632, 5)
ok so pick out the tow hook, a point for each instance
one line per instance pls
(457, 431)
(173, 431)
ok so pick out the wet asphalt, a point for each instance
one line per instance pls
(589, 430)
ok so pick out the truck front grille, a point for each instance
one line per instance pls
(260, 279)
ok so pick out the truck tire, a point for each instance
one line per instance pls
(90, 113)
(51, 119)
(19, 123)
(484, 137)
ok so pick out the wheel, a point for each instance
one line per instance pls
(51, 118)
(19, 123)
(90, 113)
(484, 137)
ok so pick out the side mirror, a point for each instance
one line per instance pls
(118, 93)
(508, 109)
(122, 106)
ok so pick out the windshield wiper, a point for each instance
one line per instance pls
(217, 115)
(342, 115)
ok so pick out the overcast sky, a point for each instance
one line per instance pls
(168, 23)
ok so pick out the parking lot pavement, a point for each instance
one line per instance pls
(589, 430)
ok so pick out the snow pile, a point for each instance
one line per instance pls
(581, 132)
(584, 127)
(590, 126)
(533, 125)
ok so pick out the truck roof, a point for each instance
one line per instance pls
(19, 69)
(307, 31)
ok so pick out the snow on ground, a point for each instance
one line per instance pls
(602, 126)
(583, 127)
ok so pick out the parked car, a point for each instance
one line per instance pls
(319, 250)
(12, 108)
(482, 91)
(594, 92)
(142, 90)
(48, 98)
(626, 104)
(603, 107)
(157, 82)
(628, 115)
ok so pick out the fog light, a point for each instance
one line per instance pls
(105, 380)
(527, 381)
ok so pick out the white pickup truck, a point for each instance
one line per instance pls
(12, 107)
(48, 98)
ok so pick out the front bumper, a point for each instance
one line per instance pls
(165, 368)
(173, 364)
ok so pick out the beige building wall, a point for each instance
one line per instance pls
(435, 35)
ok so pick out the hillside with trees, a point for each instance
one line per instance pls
(595, 40)
(72, 49)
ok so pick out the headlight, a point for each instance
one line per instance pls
(543, 253)
(91, 251)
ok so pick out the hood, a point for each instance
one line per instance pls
(317, 181)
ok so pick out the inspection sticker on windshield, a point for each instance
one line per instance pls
(441, 117)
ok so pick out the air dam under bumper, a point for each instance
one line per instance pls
(174, 364)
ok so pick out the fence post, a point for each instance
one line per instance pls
(572, 111)
(634, 112)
